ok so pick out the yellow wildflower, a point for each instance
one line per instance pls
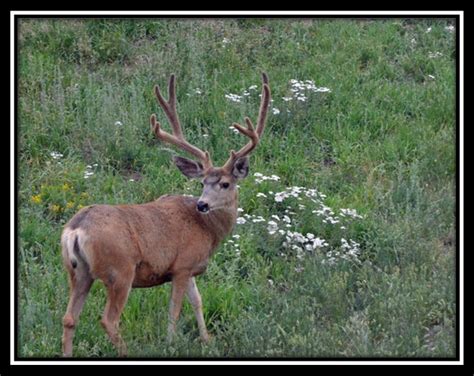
(36, 199)
(55, 208)
(66, 187)
(80, 206)
(69, 205)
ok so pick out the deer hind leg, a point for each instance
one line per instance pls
(117, 295)
(80, 282)
(179, 286)
(196, 301)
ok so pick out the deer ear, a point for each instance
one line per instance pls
(188, 167)
(241, 168)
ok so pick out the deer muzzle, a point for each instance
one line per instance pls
(202, 206)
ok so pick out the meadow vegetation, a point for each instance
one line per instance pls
(345, 245)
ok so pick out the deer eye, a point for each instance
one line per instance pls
(225, 185)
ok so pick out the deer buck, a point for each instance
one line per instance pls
(170, 239)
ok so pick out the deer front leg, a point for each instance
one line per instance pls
(196, 301)
(179, 285)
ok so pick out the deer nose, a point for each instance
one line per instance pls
(202, 206)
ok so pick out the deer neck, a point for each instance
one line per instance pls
(220, 222)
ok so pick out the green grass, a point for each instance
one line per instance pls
(382, 141)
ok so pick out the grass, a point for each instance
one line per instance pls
(382, 141)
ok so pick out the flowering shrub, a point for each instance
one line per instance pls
(61, 199)
(89, 170)
(283, 224)
(299, 91)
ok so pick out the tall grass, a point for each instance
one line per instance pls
(380, 141)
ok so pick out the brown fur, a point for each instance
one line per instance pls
(139, 235)
(139, 246)
(170, 239)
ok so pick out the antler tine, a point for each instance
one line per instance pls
(177, 138)
(250, 132)
(262, 113)
(169, 106)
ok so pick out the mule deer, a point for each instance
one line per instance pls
(170, 239)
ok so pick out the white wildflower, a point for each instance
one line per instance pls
(241, 221)
(233, 97)
(260, 194)
(280, 196)
(333, 220)
(56, 155)
(233, 129)
(319, 243)
(323, 90)
(434, 55)
(350, 213)
(272, 227)
(275, 111)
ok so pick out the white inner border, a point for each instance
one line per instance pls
(230, 13)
